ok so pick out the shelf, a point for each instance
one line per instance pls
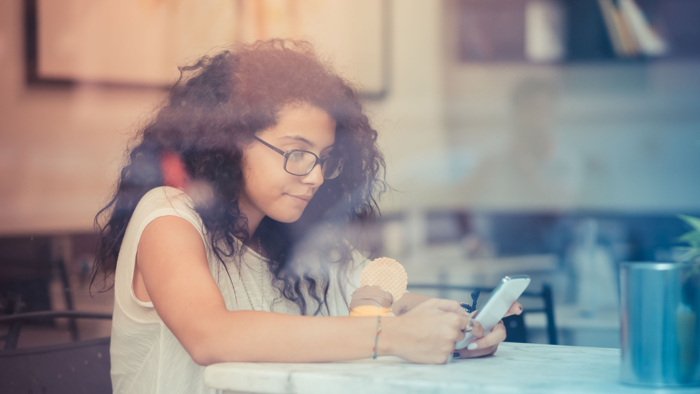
(577, 31)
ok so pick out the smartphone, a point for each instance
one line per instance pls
(498, 303)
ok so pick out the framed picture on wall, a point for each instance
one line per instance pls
(141, 43)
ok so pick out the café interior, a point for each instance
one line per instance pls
(558, 139)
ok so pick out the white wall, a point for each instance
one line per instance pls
(632, 128)
(634, 125)
(410, 119)
(61, 149)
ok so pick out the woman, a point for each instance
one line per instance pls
(223, 234)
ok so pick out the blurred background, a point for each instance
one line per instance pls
(554, 138)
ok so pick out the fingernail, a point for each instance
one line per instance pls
(455, 355)
(472, 346)
(521, 308)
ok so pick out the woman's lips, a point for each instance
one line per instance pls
(305, 199)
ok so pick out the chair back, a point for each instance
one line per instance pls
(70, 368)
(516, 331)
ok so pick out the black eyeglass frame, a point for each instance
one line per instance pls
(289, 153)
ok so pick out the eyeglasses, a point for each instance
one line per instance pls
(301, 162)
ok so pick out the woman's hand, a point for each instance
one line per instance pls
(428, 332)
(488, 344)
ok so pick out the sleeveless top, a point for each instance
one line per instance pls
(146, 357)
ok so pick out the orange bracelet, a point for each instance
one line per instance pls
(369, 310)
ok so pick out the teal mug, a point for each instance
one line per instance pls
(660, 334)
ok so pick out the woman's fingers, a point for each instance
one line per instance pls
(448, 306)
(496, 336)
(515, 309)
(463, 324)
(480, 352)
(477, 329)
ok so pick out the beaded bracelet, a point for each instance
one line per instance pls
(376, 337)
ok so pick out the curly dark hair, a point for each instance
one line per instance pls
(223, 100)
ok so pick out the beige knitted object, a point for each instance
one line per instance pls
(386, 273)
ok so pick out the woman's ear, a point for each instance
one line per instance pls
(174, 173)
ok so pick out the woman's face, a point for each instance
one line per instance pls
(268, 189)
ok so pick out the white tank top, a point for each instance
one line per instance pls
(146, 357)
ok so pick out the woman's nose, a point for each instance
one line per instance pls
(315, 177)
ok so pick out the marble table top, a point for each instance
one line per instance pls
(515, 368)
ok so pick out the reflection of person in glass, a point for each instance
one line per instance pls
(534, 170)
(261, 150)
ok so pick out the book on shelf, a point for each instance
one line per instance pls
(553, 31)
(630, 33)
(649, 41)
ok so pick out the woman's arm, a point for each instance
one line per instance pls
(171, 261)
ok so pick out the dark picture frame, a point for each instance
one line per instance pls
(33, 53)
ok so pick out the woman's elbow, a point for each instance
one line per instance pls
(203, 360)
(205, 353)
(201, 355)
(202, 351)
(205, 357)
(207, 344)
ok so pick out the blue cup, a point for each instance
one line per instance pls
(660, 332)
